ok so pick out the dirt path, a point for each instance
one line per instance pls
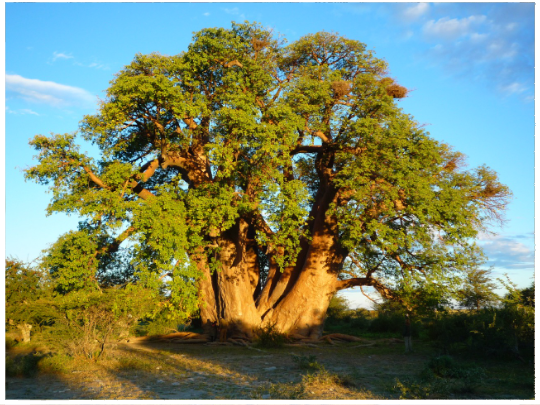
(183, 371)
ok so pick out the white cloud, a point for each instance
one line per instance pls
(96, 65)
(414, 12)
(93, 65)
(206, 14)
(60, 55)
(476, 37)
(451, 28)
(23, 111)
(507, 252)
(46, 92)
(233, 10)
(494, 45)
(513, 88)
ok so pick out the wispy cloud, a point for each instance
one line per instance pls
(76, 61)
(235, 11)
(514, 88)
(412, 13)
(96, 65)
(489, 43)
(206, 14)
(22, 111)
(60, 55)
(93, 65)
(451, 28)
(47, 92)
(507, 252)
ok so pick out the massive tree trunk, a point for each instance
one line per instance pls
(294, 300)
(302, 309)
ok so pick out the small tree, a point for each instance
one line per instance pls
(518, 314)
(26, 285)
(478, 290)
(527, 296)
(88, 320)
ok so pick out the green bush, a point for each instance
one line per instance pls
(307, 362)
(133, 363)
(435, 389)
(388, 322)
(10, 343)
(490, 331)
(269, 337)
(442, 378)
(340, 318)
(22, 365)
(446, 367)
(58, 363)
(159, 325)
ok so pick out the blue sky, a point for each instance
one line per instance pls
(470, 66)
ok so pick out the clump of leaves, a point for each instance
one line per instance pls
(324, 377)
(396, 91)
(269, 336)
(422, 390)
(280, 391)
(259, 44)
(133, 363)
(341, 88)
(307, 362)
(22, 365)
(446, 367)
(442, 377)
(10, 343)
(322, 384)
(58, 363)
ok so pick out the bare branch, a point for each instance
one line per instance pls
(306, 149)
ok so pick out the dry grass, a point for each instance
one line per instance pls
(178, 371)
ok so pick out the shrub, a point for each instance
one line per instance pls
(22, 365)
(490, 331)
(160, 325)
(442, 377)
(88, 320)
(269, 337)
(133, 363)
(437, 389)
(58, 363)
(307, 362)
(10, 343)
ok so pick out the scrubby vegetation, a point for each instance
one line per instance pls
(503, 330)
(460, 353)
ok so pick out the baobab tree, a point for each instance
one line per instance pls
(265, 178)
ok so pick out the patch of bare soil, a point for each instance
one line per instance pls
(166, 370)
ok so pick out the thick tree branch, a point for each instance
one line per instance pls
(352, 282)
(148, 169)
(140, 190)
(306, 149)
(94, 178)
(115, 245)
(322, 136)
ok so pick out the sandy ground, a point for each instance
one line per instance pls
(198, 371)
